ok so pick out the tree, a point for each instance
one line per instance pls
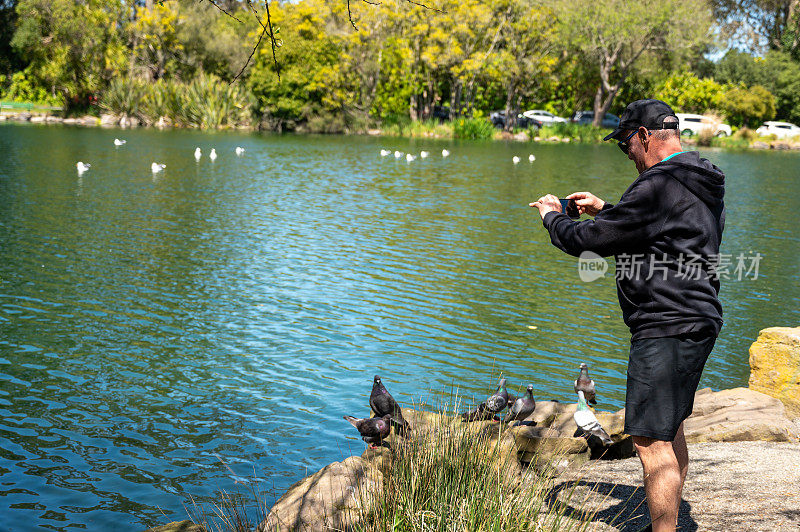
(760, 24)
(73, 48)
(748, 106)
(614, 34)
(689, 94)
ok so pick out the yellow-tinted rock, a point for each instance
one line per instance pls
(775, 366)
(178, 526)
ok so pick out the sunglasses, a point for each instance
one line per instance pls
(624, 145)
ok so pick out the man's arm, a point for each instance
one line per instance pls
(615, 229)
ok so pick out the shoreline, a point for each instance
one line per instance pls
(109, 121)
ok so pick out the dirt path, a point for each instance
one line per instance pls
(752, 486)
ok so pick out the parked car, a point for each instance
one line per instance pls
(690, 125)
(544, 117)
(587, 117)
(781, 130)
(498, 119)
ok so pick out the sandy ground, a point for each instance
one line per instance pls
(752, 486)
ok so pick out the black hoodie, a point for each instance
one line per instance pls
(668, 225)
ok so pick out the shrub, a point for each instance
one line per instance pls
(581, 132)
(24, 87)
(472, 128)
(748, 106)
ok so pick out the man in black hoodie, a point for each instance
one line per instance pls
(664, 233)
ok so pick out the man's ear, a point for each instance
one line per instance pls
(644, 137)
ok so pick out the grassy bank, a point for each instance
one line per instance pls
(443, 475)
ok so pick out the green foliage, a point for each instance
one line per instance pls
(748, 106)
(24, 87)
(686, 93)
(206, 102)
(581, 132)
(473, 128)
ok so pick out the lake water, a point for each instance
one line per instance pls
(154, 327)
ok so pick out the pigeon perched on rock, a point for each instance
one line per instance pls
(586, 385)
(373, 430)
(522, 407)
(511, 400)
(499, 400)
(587, 421)
(383, 404)
(479, 413)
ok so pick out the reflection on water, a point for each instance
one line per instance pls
(235, 310)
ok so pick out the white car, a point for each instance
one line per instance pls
(543, 116)
(690, 125)
(781, 130)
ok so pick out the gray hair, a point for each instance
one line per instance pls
(666, 134)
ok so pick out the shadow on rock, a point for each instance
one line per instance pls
(628, 514)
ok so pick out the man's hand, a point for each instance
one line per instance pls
(587, 202)
(546, 204)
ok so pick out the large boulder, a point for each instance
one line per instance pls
(739, 414)
(178, 526)
(333, 498)
(775, 366)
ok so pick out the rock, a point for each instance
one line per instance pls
(537, 139)
(88, 120)
(38, 119)
(164, 122)
(566, 139)
(70, 121)
(374, 132)
(740, 414)
(2, 117)
(54, 119)
(178, 526)
(775, 366)
(107, 120)
(21, 117)
(553, 139)
(758, 145)
(780, 146)
(522, 137)
(128, 121)
(328, 499)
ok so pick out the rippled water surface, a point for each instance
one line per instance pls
(152, 328)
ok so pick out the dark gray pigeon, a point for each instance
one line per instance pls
(373, 430)
(511, 400)
(479, 413)
(499, 400)
(586, 385)
(522, 407)
(383, 404)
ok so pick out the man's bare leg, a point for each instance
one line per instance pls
(682, 454)
(662, 481)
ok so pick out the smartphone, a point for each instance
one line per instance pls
(570, 208)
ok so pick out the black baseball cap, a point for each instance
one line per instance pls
(649, 114)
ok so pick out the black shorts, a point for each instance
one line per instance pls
(663, 374)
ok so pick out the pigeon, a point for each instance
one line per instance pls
(586, 385)
(213, 154)
(397, 154)
(82, 167)
(239, 151)
(373, 430)
(499, 400)
(197, 154)
(515, 160)
(410, 157)
(424, 154)
(531, 158)
(383, 404)
(118, 142)
(587, 421)
(384, 153)
(479, 413)
(156, 168)
(522, 407)
(511, 400)
(445, 153)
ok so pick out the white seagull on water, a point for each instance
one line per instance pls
(239, 151)
(82, 167)
(445, 153)
(424, 154)
(156, 168)
(118, 142)
(398, 154)
(410, 157)
(213, 154)
(384, 153)
(197, 154)
(515, 160)
(531, 158)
